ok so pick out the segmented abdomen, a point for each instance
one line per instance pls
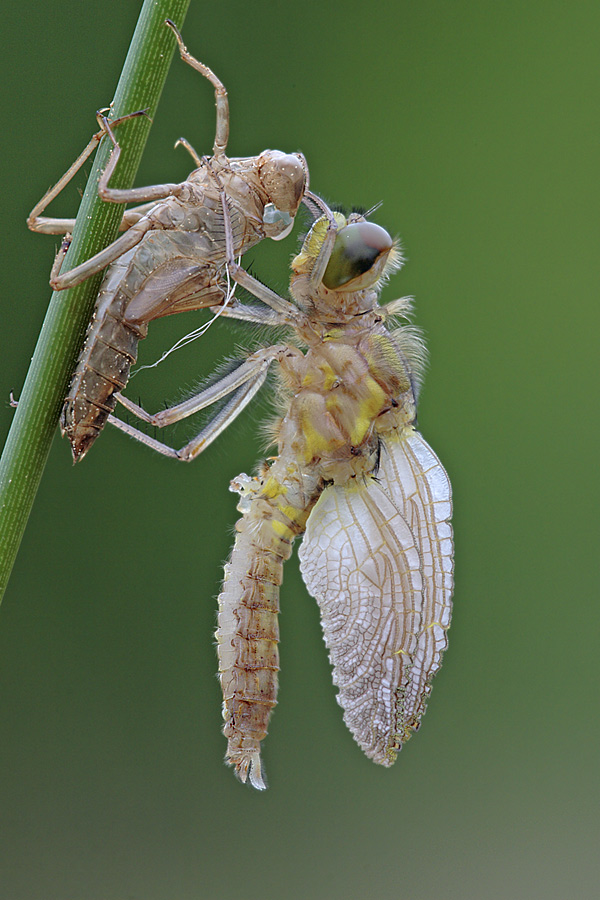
(167, 272)
(103, 366)
(247, 635)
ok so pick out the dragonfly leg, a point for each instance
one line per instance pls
(223, 419)
(259, 290)
(100, 260)
(130, 195)
(46, 224)
(66, 226)
(221, 101)
(136, 221)
(250, 370)
(58, 259)
(49, 225)
(244, 313)
(238, 402)
(133, 215)
(318, 270)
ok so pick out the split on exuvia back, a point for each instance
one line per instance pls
(351, 474)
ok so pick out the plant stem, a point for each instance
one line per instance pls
(30, 437)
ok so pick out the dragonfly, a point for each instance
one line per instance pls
(352, 476)
(171, 258)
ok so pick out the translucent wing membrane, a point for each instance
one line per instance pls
(412, 475)
(377, 558)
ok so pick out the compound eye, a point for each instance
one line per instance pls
(358, 258)
(277, 222)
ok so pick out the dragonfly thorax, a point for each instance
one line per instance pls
(340, 390)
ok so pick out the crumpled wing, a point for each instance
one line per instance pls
(377, 556)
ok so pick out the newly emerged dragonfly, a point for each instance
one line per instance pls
(171, 258)
(354, 476)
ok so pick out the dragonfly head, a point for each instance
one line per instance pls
(363, 253)
(283, 177)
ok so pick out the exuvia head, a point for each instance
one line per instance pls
(284, 178)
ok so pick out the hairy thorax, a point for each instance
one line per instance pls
(350, 388)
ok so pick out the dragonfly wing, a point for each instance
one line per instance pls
(377, 557)
(414, 478)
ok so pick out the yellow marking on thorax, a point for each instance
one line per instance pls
(331, 379)
(356, 414)
(323, 376)
(384, 361)
(369, 408)
(317, 442)
(334, 334)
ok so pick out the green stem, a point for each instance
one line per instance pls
(29, 440)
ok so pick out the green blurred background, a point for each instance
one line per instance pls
(477, 125)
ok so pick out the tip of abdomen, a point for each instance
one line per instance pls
(81, 422)
(248, 767)
(81, 445)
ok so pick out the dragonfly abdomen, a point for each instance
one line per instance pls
(274, 513)
(103, 366)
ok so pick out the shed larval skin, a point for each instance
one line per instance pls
(172, 257)
(178, 266)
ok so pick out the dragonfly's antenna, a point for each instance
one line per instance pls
(373, 209)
